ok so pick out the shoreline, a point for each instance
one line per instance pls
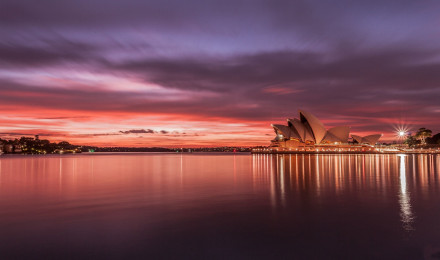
(346, 152)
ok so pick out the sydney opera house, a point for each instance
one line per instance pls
(308, 133)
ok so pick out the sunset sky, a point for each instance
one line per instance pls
(213, 73)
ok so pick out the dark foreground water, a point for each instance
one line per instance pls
(215, 206)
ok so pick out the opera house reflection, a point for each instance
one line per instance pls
(383, 179)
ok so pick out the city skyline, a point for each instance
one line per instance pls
(214, 73)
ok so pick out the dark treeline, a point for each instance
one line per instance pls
(161, 149)
(423, 138)
(125, 149)
(29, 145)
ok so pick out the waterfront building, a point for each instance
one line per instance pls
(9, 148)
(308, 133)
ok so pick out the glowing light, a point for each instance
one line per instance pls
(402, 131)
(404, 196)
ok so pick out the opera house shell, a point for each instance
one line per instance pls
(309, 130)
(369, 139)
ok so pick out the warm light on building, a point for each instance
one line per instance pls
(309, 131)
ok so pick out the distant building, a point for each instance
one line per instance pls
(18, 149)
(9, 148)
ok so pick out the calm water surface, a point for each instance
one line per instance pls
(220, 206)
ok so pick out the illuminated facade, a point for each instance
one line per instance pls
(308, 133)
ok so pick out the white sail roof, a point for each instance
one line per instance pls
(369, 139)
(303, 132)
(310, 128)
(287, 131)
(338, 134)
(315, 124)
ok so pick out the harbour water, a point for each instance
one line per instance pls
(220, 206)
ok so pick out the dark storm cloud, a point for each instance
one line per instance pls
(390, 67)
(150, 131)
(232, 25)
(85, 98)
(313, 80)
(44, 52)
(369, 87)
(356, 81)
(64, 117)
(31, 133)
(13, 133)
(255, 60)
(90, 13)
(138, 131)
(285, 12)
(219, 74)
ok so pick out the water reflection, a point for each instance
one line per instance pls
(315, 178)
(404, 196)
(196, 205)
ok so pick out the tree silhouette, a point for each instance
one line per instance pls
(411, 141)
(422, 134)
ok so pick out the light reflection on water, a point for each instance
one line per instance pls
(405, 202)
(219, 206)
(343, 174)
